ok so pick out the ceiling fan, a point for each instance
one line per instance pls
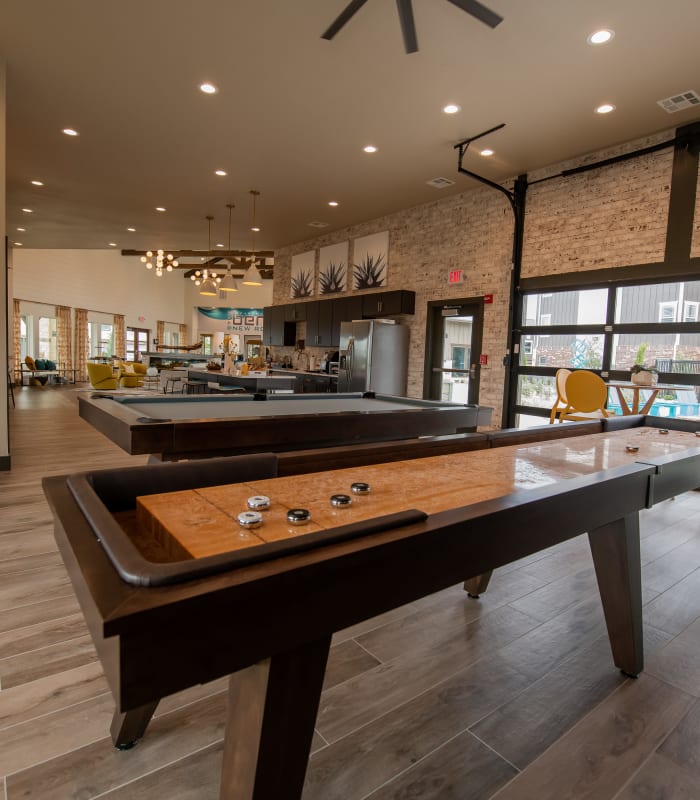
(408, 25)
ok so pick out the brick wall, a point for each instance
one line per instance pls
(609, 217)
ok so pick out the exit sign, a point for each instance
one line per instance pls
(456, 276)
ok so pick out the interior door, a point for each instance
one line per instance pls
(453, 350)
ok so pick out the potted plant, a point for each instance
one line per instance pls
(643, 375)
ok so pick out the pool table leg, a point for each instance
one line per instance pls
(272, 709)
(615, 550)
(478, 584)
(129, 726)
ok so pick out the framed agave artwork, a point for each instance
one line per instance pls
(303, 268)
(333, 269)
(370, 261)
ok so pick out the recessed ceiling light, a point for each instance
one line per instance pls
(208, 88)
(28, 210)
(160, 208)
(70, 132)
(22, 229)
(112, 244)
(333, 203)
(131, 230)
(370, 148)
(606, 108)
(219, 245)
(18, 244)
(255, 230)
(601, 37)
(452, 108)
(220, 172)
(37, 183)
(487, 152)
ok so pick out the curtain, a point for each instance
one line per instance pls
(64, 329)
(160, 332)
(82, 344)
(16, 334)
(119, 336)
(183, 336)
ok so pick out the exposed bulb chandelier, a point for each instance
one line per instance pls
(163, 262)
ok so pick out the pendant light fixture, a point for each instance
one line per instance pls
(228, 284)
(252, 276)
(210, 281)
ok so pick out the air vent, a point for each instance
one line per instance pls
(440, 183)
(318, 224)
(679, 102)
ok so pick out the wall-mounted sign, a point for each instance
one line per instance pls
(456, 276)
(488, 298)
(483, 360)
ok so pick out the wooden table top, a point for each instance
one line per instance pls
(202, 522)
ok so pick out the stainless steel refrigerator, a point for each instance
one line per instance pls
(373, 357)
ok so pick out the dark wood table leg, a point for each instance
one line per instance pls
(615, 549)
(128, 726)
(272, 709)
(478, 584)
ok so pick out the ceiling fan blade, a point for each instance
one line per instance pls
(348, 12)
(479, 11)
(408, 25)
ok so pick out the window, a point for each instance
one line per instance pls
(25, 329)
(101, 338)
(690, 311)
(667, 312)
(136, 342)
(609, 330)
(207, 343)
(458, 356)
(47, 338)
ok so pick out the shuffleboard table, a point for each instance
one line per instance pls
(193, 426)
(162, 593)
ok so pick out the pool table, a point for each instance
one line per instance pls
(268, 621)
(196, 426)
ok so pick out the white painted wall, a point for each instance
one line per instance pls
(99, 280)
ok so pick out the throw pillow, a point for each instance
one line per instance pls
(40, 363)
(29, 361)
(50, 364)
(129, 369)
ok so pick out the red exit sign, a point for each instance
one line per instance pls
(483, 360)
(456, 276)
(488, 298)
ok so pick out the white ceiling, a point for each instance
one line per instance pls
(294, 111)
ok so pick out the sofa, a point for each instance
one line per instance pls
(39, 371)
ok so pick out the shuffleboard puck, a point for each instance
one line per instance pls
(250, 519)
(298, 516)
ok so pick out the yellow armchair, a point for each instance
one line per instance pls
(101, 376)
(131, 374)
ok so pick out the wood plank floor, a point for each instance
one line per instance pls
(513, 696)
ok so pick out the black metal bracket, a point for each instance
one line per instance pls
(463, 146)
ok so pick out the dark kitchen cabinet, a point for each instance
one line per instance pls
(319, 323)
(345, 309)
(295, 312)
(276, 329)
(379, 304)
